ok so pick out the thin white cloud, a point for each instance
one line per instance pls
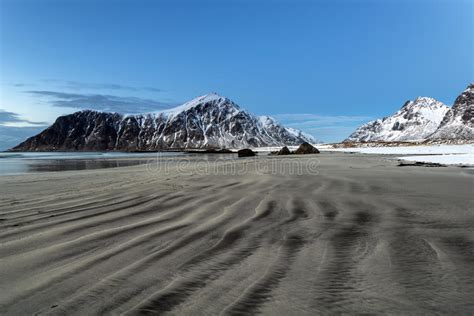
(14, 119)
(101, 102)
(82, 86)
(79, 85)
(331, 128)
(320, 119)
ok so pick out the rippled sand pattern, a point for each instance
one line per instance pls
(362, 236)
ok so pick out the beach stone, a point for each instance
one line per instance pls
(306, 148)
(246, 153)
(284, 151)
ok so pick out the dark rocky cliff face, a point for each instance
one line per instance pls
(458, 123)
(206, 122)
(78, 131)
(464, 105)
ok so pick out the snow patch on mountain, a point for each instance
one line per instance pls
(298, 133)
(204, 99)
(415, 121)
(458, 123)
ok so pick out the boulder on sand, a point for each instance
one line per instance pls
(284, 151)
(246, 153)
(306, 148)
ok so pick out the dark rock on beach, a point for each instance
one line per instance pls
(306, 148)
(246, 153)
(283, 151)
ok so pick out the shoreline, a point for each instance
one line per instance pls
(357, 234)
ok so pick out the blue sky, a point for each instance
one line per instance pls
(322, 66)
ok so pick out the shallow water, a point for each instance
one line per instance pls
(20, 163)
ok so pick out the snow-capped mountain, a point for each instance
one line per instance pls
(415, 121)
(271, 126)
(458, 123)
(209, 121)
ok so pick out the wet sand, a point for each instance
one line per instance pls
(352, 234)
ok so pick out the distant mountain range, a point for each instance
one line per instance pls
(424, 119)
(213, 121)
(209, 121)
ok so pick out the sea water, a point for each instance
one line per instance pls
(27, 162)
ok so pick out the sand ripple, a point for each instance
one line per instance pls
(361, 237)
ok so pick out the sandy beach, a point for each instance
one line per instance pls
(334, 233)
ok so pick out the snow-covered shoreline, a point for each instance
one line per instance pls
(407, 150)
(455, 159)
(444, 154)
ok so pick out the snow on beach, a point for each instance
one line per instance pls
(408, 150)
(456, 159)
(444, 154)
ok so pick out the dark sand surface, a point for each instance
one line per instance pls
(352, 234)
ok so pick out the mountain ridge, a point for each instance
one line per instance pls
(423, 120)
(458, 123)
(208, 121)
(415, 121)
